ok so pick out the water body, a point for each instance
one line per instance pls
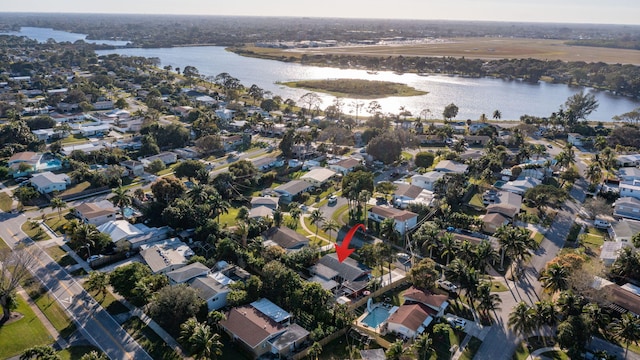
(44, 34)
(473, 96)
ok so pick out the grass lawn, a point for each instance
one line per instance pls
(49, 307)
(108, 302)
(498, 286)
(339, 348)
(76, 352)
(3, 245)
(522, 353)
(406, 156)
(593, 241)
(313, 227)
(34, 232)
(60, 256)
(149, 340)
(77, 188)
(229, 219)
(538, 237)
(476, 200)
(57, 223)
(471, 349)
(74, 138)
(22, 334)
(5, 202)
(559, 355)
(340, 213)
(442, 347)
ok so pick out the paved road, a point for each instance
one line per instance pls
(91, 319)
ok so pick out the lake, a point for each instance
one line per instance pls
(473, 96)
(44, 34)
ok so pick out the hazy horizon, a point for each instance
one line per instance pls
(615, 12)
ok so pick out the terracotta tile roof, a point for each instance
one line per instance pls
(425, 297)
(250, 325)
(410, 316)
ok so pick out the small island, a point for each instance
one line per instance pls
(356, 88)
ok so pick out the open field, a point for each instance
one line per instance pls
(480, 48)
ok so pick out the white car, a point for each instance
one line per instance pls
(333, 199)
(447, 285)
(93, 258)
(455, 322)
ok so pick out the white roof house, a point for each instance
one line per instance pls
(165, 256)
(452, 167)
(119, 229)
(630, 189)
(426, 180)
(520, 186)
(48, 182)
(318, 176)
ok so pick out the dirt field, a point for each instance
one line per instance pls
(491, 48)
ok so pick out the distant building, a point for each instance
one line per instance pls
(345, 166)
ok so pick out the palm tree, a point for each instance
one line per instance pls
(59, 204)
(41, 352)
(555, 278)
(214, 318)
(121, 198)
(627, 329)
(316, 218)
(486, 300)
(277, 218)
(484, 255)
(329, 226)
(98, 281)
(448, 245)
(388, 230)
(294, 212)
(315, 350)
(593, 173)
(521, 319)
(395, 351)
(218, 205)
(139, 194)
(204, 343)
(198, 193)
(544, 314)
(94, 355)
(569, 304)
(422, 346)
(497, 115)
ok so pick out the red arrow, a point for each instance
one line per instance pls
(343, 250)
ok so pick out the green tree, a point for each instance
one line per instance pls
(121, 198)
(626, 329)
(42, 352)
(173, 305)
(395, 351)
(424, 159)
(422, 347)
(24, 194)
(386, 147)
(188, 169)
(330, 225)
(450, 111)
(315, 350)
(580, 105)
(167, 189)
(94, 355)
(123, 277)
(316, 218)
(521, 319)
(98, 281)
(424, 274)
(555, 278)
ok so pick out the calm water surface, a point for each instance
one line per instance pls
(473, 96)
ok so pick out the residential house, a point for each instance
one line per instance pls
(48, 182)
(213, 289)
(120, 229)
(29, 158)
(491, 222)
(167, 158)
(628, 160)
(231, 142)
(292, 189)
(431, 140)
(225, 115)
(206, 100)
(165, 256)
(627, 207)
(404, 220)
(286, 238)
(630, 189)
(187, 153)
(575, 139)
(88, 148)
(47, 135)
(187, 273)
(624, 298)
(476, 140)
(318, 176)
(410, 320)
(345, 166)
(263, 207)
(148, 236)
(236, 125)
(96, 213)
(426, 180)
(624, 230)
(103, 105)
(629, 174)
(451, 167)
(133, 168)
(182, 111)
(406, 194)
(437, 303)
(266, 163)
(520, 186)
(348, 277)
(263, 327)
(611, 250)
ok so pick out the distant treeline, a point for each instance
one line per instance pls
(621, 79)
(624, 43)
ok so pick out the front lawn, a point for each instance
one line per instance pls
(22, 334)
(313, 228)
(108, 302)
(34, 231)
(57, 223)
(76, 352)
(149, 340)
(538, 237)
(229, 219)
(49, 307)
(471, 349)
(60, 256)
(556, 355)
(341, 215)
(5, 202)
(77, 188)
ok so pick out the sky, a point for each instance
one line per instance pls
(563, 11)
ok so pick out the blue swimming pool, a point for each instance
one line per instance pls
(53, 164)
(128, 212)
(376, 317)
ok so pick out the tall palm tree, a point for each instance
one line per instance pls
(487, 301)
(218, 205)
(484, 255)
(316, 218)
(204, 343)
(521, 319)
(593, 173)
(329, 226)
(215, 317)
(395, 351)
(544, 314)
(448, 245)
(121, 198)
(569, 304)
(627, 329)
(555, 278)
(388, 230)
(422, 346)
(198, 193)
(277, 217)
(58, 204)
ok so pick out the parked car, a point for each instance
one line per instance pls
(455, 322)
(333, 200)
(94, 258)
(447, 285)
